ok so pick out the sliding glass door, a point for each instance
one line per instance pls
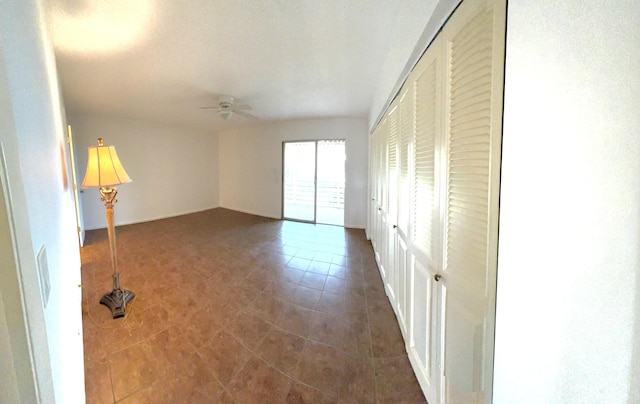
(314, 181)
(330, 185)
(299, 199)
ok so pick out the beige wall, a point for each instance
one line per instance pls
(174, 170)
(251, 164)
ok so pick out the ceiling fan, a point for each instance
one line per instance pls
(226, 108)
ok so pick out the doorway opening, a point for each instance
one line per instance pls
(314, 181)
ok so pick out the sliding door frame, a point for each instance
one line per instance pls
(315, 180)
(316, 143)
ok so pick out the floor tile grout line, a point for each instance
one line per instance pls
(354, 250)
(375, 378)
(260, 357)
(217, 379)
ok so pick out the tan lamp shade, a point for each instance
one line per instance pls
(104, 168)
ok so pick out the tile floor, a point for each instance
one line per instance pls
(237, 308)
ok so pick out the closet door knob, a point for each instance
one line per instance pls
(395, 226)
(437, 277)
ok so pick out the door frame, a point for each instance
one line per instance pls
(17, 347)
(76, 199)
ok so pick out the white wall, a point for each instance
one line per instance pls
(15, 364)
(10, 391)
(41, 211)
(251, 165)
(174, 170)
(568, 314)
(410, 42)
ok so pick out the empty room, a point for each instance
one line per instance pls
(319, 201)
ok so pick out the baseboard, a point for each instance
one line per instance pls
(250, 212)
(153, 218)
(236, 209)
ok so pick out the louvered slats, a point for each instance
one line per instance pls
(469, 154)
(382, 169)
(424, 156)
(381, 166)
(406, 131)
(391, 173)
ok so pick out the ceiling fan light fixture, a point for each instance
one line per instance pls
(226, 108)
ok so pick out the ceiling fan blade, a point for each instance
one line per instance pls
(241, 106)
(246, 115)
(210, 107)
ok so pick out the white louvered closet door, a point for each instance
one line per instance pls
(401, 253)
(391, 211)
(383, 195)
(373, 187)
(473, 39)
(423, 213)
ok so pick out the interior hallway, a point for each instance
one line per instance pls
(237, 308)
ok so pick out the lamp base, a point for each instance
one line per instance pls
(117, 301)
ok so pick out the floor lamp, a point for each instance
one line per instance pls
(104, 170)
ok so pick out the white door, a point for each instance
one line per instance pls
(437, 159)
(424, 232)
(372, 191)
(375, 187)
(391, 208)
(403, 189)
(16, 368)
(474, 54)
(76, 200)
(382, 196)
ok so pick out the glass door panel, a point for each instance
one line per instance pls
(314, 181)
(330, 186)
(299, 197)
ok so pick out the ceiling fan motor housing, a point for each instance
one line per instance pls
(226, 100)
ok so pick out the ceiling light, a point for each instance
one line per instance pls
(226, 114)
(99, 26)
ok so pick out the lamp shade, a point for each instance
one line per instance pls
(104, 168)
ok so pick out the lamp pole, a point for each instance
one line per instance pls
(118, 298)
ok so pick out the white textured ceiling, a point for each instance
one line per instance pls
(162, 60)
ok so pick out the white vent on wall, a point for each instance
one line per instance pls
(43, 275)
